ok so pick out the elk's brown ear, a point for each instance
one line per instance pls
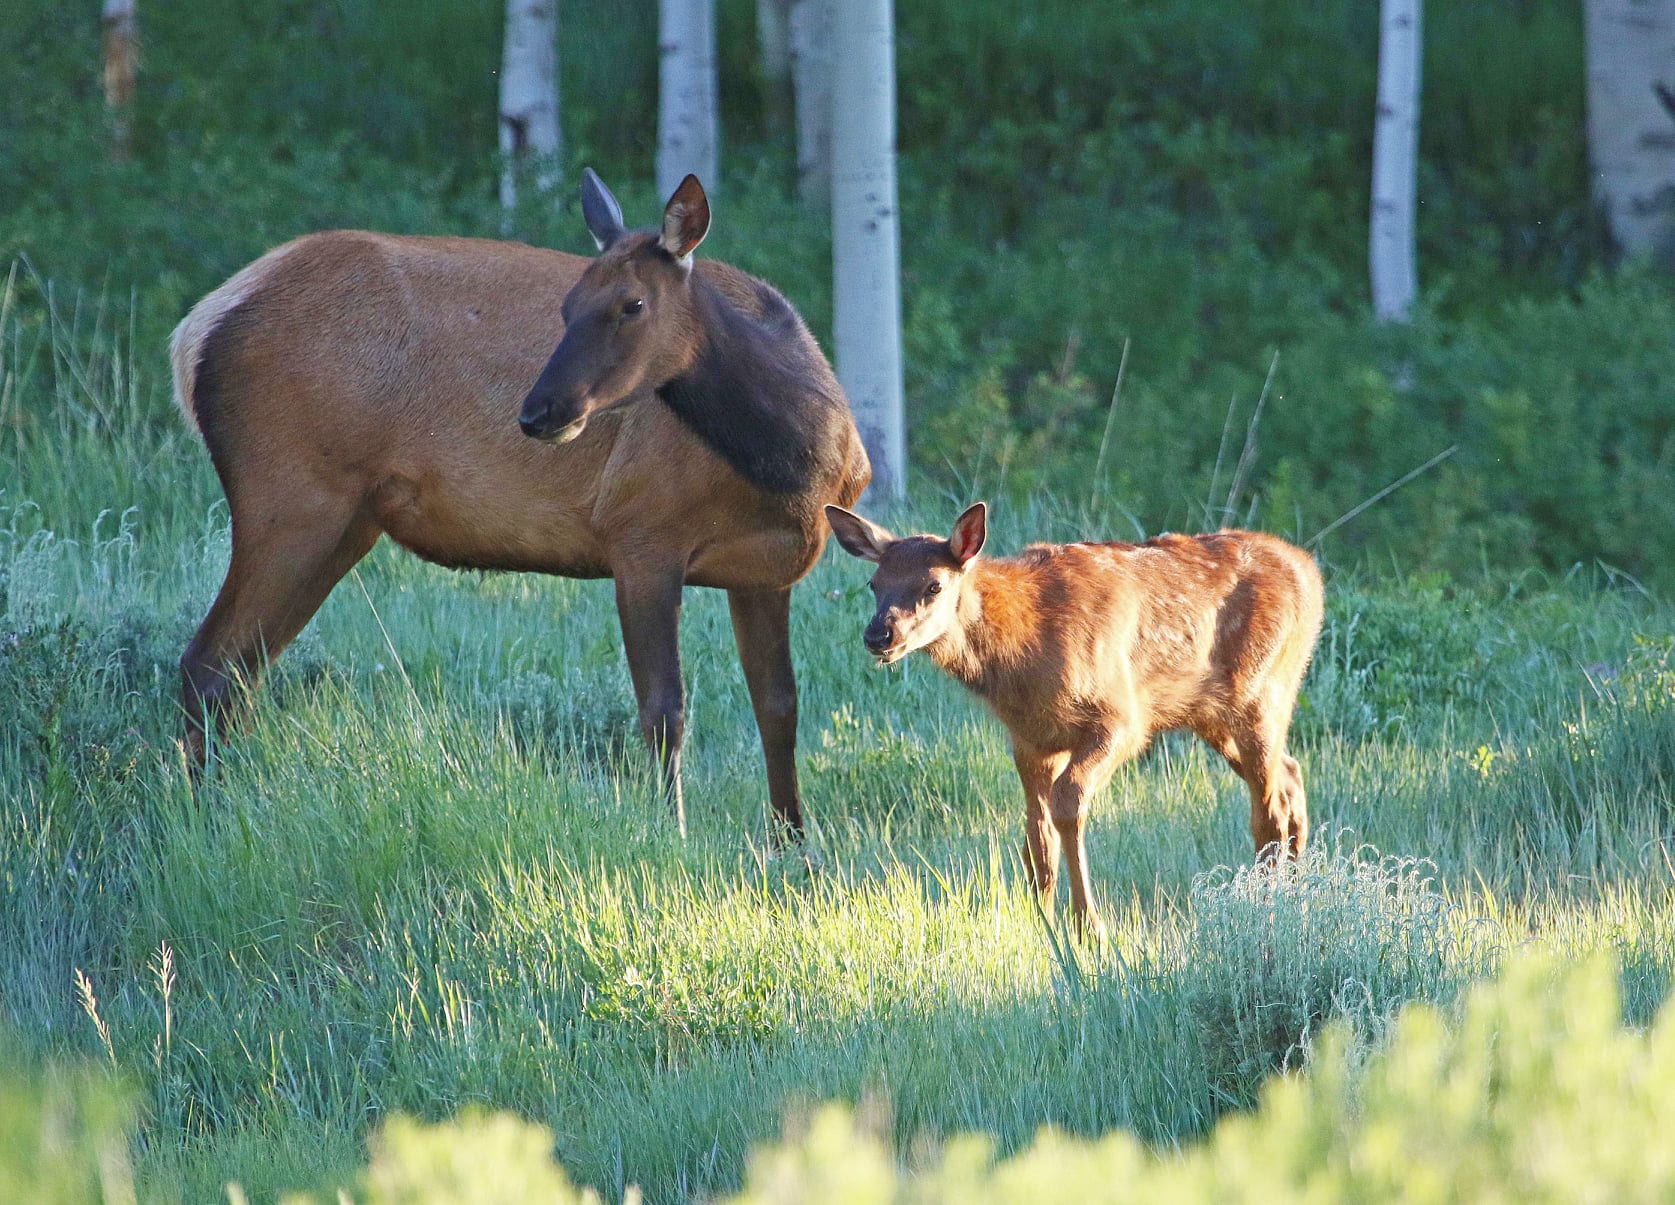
(686, 219)
(970, 530)
(858, 537)
(600, 210)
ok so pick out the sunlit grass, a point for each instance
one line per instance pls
(433, 869)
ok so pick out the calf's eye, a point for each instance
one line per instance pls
(933, 589)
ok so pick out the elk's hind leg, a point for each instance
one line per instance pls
(1295, 800)
(1279, 818)
(1285, 781)
(280, 573)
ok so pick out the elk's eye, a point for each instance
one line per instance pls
(933, 590)
(632, 308)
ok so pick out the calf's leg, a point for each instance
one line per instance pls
(1279, 819)
(1087, 769)
(1037, 770)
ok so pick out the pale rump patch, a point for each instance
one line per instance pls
(188, 339)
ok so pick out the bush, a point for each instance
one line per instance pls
(1537, 1094)
(1204, 206)
(479, 1159)
(1534, 1092)
(63, 1134)
(1275, 952)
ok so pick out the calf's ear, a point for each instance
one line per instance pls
(859, 537)
(970, 530)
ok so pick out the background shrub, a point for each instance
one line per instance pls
(1183, 178)
(1536, 1091)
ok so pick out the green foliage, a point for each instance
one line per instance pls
(1534, 1089)
(433, 871)
(64, 1133)
(1646, 681)
(1536, 1094)
(1176, 175)
(1385, 659)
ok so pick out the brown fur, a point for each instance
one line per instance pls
(352, 384)
(1087, 651)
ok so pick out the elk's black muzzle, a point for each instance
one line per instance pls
(533, 421)
(540, 417)
(553, 405)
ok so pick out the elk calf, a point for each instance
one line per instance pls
(1086, 651)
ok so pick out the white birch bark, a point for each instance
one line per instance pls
(529, 129)
(687, 138)
(866, 280)
(1631, 119)
(811, 72)
(121, 66)
(1392, 258)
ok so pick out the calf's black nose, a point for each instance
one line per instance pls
(878, 636)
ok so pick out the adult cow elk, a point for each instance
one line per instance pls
(687, 430)
(1087, 651)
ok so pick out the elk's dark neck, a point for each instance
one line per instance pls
(759, 393)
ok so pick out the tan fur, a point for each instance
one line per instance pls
(1087, 651)
(186, 343)
(368, 384)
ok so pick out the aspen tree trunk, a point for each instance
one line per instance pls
(121, 65)
(1631, 120)
(866, 280)
(773, 33)
(529, 129)
(687, 126)
(811, 72)
(1392, 259)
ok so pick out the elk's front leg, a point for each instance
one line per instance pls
(762, 628)
(648, 607)
(1096, 755)
(1037, 770)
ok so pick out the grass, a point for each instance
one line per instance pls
(433, 872)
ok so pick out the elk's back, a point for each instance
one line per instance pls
(1164, 633)
(386, 372)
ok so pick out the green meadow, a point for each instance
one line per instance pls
(433, 872)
